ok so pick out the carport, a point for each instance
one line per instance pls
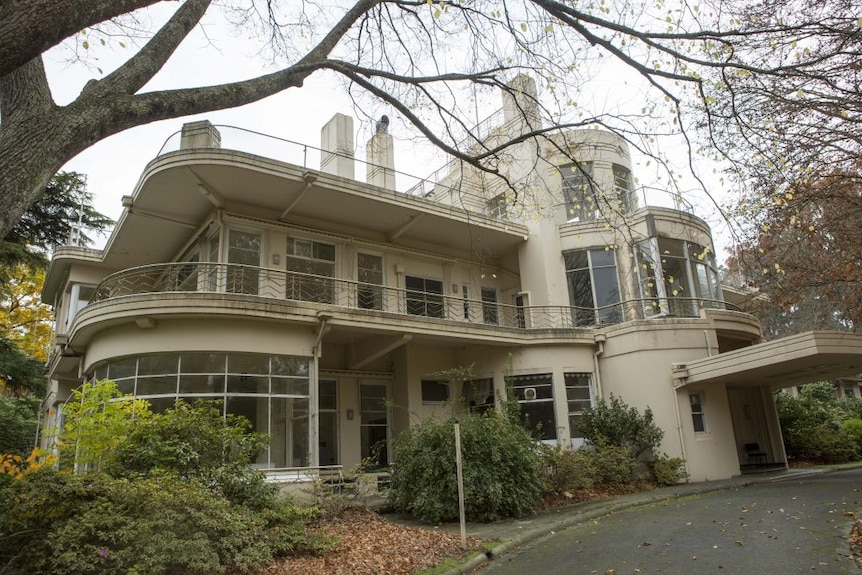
(752, 374)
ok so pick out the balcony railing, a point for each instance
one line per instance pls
(292, 286)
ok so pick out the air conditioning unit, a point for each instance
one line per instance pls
(529, 393)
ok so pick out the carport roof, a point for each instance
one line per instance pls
(786, 362)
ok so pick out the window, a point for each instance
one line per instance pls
(312, 264)
(536, 398)
(520, 311)
(424, 296)
(270, 391)
(623, 188)
(374, 423)
(434, 391)
(478, 394)
(579, 192)
(677, 277)
(579, 398)
(594, 292)
(490, 311)
(369, 271)
(497, 208)
(327, 401)
(698, 417)
(79, 297)
(243, 250)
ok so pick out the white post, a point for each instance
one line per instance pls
(460, 484)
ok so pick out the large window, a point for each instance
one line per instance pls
(536, 398)
(579, 398)
(594, 291)
(424, 296)
(580, 192)
(270, 391)
(434, 391)
(314, 264)
(677, 277)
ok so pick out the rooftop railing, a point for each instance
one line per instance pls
(417, 305)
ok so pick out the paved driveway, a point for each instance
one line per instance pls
(782, 527)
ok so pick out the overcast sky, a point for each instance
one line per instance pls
(114, 165)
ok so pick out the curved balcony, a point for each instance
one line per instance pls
(277, 284)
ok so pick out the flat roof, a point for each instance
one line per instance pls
(786, 362)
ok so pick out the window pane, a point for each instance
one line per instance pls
(328, 395)
(247, 384)
(158, 364)
(538, 417)
(121, 368)
(248, 364)
(434, 391)
(284, 365)
(576, 260)
(602, 258)
(289, 386)
(202, 383)
(202, 363)
(158, 385)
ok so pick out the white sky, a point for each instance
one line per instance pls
(114, 165)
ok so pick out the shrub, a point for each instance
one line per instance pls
(606, 467)
(854, 428)
(500, 465)
(92, 523)
(18, 432)
(669, 470)
(614, 423)
(823, 443)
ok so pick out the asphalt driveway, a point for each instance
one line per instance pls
(797, 525)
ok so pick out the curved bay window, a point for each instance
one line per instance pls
(677, 277)
(272, 392)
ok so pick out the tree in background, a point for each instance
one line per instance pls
(64, 209)
(754, 77)
(806, 255)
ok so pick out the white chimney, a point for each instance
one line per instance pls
(336, 141)
(380, 157)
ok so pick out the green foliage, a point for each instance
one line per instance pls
(500, 464)
(97, 422)
(854, 428)
(21, 374)
(811, 425)
(615, 423)
(19, 423)
(669, 470)
(80, 524)
(606, 467)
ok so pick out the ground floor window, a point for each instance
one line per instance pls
(271, 391)
(434, 391)
(374, 423)
(579, 398)
(536, 399)
(698, 415)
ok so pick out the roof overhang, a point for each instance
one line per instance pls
(786, 362)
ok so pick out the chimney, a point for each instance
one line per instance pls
(380, 157)
(336, 143)
(520, 106)
(201, 134)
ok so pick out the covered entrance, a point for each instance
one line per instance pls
(752, 374)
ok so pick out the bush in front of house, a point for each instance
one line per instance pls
(61, 523)
(614, 423)
(811, 424)
(501, 469)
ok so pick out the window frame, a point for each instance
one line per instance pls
(697, 398)
(593, 314)
(423, 298)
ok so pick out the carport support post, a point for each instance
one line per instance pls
(460, 475)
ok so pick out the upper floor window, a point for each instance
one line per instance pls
(594, 291)
(369, 272)
(623, 188)
(79, 297)
(677, 277)
(490, 311)
(424, 296)
(313, 262)
(580, 192)
(243, 249)
(497, 207)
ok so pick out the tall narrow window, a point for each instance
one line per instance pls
(623, 189)
(580, 192)
(490, 311)
(243, 253)
(369, 271)
(594, 292)
(579, 399)
(536, 398)
(374, 423)
(698, 416)
(310, 266)
(327, 400)
(424, 296)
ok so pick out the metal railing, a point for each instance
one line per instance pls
(293, 286)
